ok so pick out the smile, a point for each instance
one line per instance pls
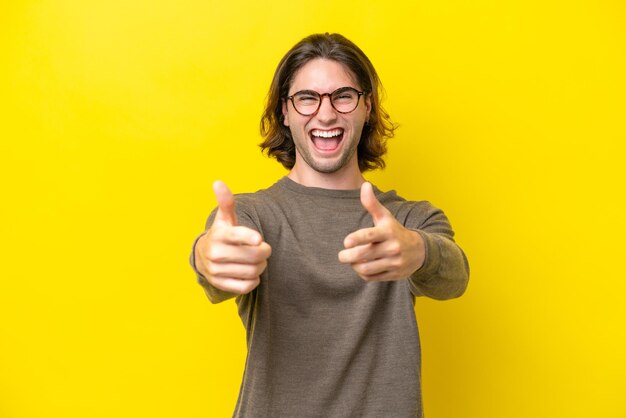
(326, 140)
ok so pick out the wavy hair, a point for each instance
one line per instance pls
(278, 142)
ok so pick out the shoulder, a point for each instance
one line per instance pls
(253, 202)
(397, 204)
(255, 209)
(410, 213)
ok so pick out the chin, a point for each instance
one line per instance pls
(329, 167)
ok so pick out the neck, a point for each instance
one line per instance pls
(346, 178)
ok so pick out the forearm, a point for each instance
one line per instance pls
(445, 272)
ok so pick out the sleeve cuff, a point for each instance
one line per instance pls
(432, 258)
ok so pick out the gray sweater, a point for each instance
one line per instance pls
(322, 342)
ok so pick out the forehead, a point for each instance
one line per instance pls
(323, 76)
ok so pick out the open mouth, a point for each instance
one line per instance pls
(326, 140)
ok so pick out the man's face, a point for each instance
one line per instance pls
(327, 140)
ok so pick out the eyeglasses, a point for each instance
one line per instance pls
(343, 100)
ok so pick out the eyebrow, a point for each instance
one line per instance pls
(308, 91)
(305, 91)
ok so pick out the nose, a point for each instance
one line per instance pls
(326, 112)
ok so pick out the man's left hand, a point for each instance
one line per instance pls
(387, 251)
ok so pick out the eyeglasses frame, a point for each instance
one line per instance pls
(321, 96)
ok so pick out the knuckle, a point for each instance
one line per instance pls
(215, 281)
(215, 253)
(213, 269)
(261, 267)
(264, 252)
(396, 263)
(232, 234)
(394, 248)
(215, 234)
(249, 286)
(249, 273)
(257, 255)
(363, 269)
(359, 254)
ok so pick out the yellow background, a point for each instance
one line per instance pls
(116, 116)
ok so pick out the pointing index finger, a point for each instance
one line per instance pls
(365, 236)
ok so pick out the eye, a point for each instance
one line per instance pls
(306, 98)
(344, 97)
(345, 94)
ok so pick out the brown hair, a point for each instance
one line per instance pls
(378, 128)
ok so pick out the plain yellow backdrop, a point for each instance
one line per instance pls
(116, 117)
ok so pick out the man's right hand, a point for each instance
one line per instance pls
(231, 257)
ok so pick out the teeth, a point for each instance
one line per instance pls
(326, 134)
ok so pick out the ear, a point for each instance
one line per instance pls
(285, 113)
(368, 106)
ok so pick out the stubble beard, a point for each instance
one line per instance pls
(324, 166)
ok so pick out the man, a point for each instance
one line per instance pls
(325, 267)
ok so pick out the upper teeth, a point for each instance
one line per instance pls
(327, 134)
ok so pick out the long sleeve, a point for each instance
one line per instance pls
(445, 272)
(310, 313)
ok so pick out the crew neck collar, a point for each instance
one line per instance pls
(319, 191)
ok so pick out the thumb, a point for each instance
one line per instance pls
(371, 204)
(225, 204)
